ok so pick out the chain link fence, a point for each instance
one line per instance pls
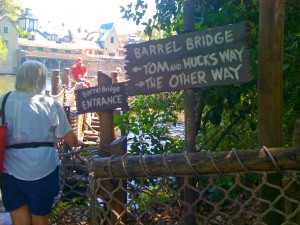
(216, 199)
(149, 190)
(72, 206)
(161, 201)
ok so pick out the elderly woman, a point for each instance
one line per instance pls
(30, 179)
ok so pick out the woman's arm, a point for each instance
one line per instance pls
(72, 140)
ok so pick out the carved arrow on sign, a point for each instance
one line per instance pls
(140, 84)
(136, 69)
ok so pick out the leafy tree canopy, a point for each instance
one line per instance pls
(23, 34)
(11, 8)
(3, 50)
(227, 116)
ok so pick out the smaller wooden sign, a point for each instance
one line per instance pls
(100, 98)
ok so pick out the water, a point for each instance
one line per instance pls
(7, 83)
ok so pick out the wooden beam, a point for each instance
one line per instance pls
(200, 163)
(271, 33)
(189, 117)
(106, 119)
(270, 120)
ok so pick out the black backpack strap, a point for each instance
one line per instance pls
(31, 145)
(2, 112)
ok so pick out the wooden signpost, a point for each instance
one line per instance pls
(212, 57)
(218, 56)
(100, 98)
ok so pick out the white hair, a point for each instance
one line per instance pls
(31, 77)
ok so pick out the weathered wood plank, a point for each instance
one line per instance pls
(200, 163)
(270, 88)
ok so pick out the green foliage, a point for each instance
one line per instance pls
(164, 104)
(23, 34)
(147, 124)
(167, 20)
(135, 12)
(223, 112)
(11, 8)
(73, 208)
(3, 50)
(151, 192)
(222, 183)
(227, 116)
(291, 68)
(6, 84)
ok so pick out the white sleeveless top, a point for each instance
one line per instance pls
(33, 117)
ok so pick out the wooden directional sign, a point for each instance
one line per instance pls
(101, 98)
(212, 57)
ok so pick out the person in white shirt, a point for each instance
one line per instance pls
(30, 179)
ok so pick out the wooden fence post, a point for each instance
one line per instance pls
(55, 82)
(107, 136)
(66, 77)
(270, 128)
(114, 75)
(119, 148)
(189, 120)
(106, 119)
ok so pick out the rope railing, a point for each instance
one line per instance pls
(66, 97)
(72, 205)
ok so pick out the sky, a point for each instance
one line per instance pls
(85, 13)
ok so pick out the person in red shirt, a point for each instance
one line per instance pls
(79, 72)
